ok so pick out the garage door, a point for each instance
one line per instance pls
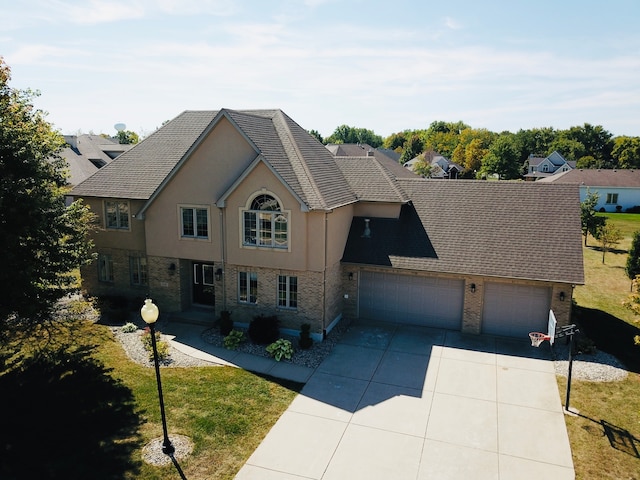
(435, 302)
(515, 310)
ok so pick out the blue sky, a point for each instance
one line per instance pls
(382, 65)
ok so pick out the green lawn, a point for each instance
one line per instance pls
(602, 317)
(78, 415)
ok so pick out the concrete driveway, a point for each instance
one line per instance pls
(403, 402)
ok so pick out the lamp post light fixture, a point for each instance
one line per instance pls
(149, 313)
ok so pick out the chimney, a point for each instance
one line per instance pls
(367, 230)
(72, 140)
(370, 153)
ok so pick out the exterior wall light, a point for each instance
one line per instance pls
(350, 276)
(562, 296)
(473, 288)
(218, 274)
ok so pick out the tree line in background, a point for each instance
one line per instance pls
(483, 153)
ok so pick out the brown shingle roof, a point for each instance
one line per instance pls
(503, 229)
(597, 178)
(300, 160)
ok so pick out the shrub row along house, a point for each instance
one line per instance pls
(245, 211)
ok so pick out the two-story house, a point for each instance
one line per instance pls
(539, 167)
(247, 212)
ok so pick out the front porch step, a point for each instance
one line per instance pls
(197, 316)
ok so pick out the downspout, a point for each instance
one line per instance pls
(324, 281)
(223, 247)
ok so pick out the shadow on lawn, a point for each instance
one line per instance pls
(619, 438)
(611, 335)
(65, 416)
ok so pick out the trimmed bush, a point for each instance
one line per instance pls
(226, 324)
(305, 341)
(264, 330)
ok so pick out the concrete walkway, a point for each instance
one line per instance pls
(401, 402)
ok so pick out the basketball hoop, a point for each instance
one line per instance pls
(537, 338)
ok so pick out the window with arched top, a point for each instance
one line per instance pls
(264, 224)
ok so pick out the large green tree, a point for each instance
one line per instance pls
(503, 158)
(347, 134)
(626, 152)
(42, 241)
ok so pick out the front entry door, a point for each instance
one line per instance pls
(203, 286)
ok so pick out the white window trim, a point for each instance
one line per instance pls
(610, 196)
(247, 208)
(288, 292)
(182, 206)
(248, 274)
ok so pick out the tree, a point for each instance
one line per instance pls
(347, 134)
(412, 148)
(632, 268)
(41, 240)
(608, 236)
(127, 137)
(316, 134)
(626, 152)
(503, 158)
(589, 217)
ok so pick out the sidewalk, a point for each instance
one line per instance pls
(187, 339)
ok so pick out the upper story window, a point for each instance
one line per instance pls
(545, 168)
(264, 224)
(194, 222)
(612, 198)
(116, 214)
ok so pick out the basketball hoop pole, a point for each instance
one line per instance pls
(566, 331)
(569, 331)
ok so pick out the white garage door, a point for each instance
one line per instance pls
(515, 310)
(434, 302)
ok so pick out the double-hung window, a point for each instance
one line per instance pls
(138, 271)
(116, 215)
(194, 222)
(264, 224)
(105, 268)
(287, 291)
(248, 287)
(612, 198)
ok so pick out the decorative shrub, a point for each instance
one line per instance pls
(280, 348)
(161, 346)
(264, 330)
(618, 208)
(602, 210)
(634, 209)
(305, 341)
(129, 328)
(234, 339)
(226, 324)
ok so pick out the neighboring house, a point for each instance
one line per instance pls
(362, 150)
(85, 154)
(441, 166)
(538, 167)
(617, 190)
(245, 211)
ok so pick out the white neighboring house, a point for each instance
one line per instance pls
(618, 190)
(539, 167)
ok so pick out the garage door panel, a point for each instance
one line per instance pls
(409, 299)
(515, 310)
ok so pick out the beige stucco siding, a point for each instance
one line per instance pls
(262, 180)
(132, 238)
(200, 182)
(338, 226)
(377, 210)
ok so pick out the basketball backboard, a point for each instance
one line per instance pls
(551, 327)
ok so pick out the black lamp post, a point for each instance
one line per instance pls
(149, 313)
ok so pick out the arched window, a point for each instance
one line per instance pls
(264, 223)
